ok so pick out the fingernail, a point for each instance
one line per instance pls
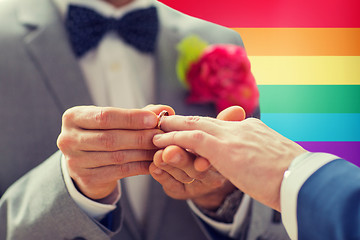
(158, 171)
(150, 121)
(157, 137)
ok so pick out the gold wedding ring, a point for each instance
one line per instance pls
(190, 181)
(160, 116)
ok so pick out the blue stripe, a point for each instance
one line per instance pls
(327, 127)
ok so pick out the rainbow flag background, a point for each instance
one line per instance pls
(305, 56)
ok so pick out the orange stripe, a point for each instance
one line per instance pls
(301, 41)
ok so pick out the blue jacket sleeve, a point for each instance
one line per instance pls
(329, 203)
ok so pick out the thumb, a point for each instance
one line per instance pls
(234, 113)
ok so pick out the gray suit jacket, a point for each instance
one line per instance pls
(39, 80)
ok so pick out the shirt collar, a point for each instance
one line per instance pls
(102, 7)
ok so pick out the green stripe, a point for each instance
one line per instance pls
(309, 98)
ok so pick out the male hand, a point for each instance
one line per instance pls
(250, 154)
(183, 175)
(102, 145)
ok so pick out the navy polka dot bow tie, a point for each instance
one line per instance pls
(86, 28)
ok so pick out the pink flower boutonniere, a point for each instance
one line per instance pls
(219, 74)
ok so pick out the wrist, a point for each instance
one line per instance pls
(91, 208)
(226, 211)
(97, 194)
(212, 201)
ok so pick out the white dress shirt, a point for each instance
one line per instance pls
(113, 80)
(299, 171)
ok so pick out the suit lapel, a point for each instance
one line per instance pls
(165, 59)
(48, 46)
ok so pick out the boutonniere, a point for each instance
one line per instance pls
(219, 74)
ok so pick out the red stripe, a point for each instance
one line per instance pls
(273, 13)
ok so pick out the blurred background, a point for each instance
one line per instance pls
(305, 56)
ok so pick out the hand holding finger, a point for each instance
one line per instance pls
(173, 168)
(177, 174)
(102, 145)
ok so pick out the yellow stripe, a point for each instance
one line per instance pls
(301, 41)
(306, 70)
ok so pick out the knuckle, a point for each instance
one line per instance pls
(83, 139)
(118, 157)
(102, 117)
(107, 140)
(60, 142)
(124, 169)
(174, 136)
(64, 142)
(191, 120)
(68, 116)
(250, 121)
(143, 167)
(129, 118)
(141, 139)
(198, 135)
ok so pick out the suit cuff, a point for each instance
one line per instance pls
(228, 229)
(95, 209)
(301, 168)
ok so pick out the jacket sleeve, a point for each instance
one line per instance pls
(329, 203)
(38, 206)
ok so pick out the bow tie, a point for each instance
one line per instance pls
(86, 28)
